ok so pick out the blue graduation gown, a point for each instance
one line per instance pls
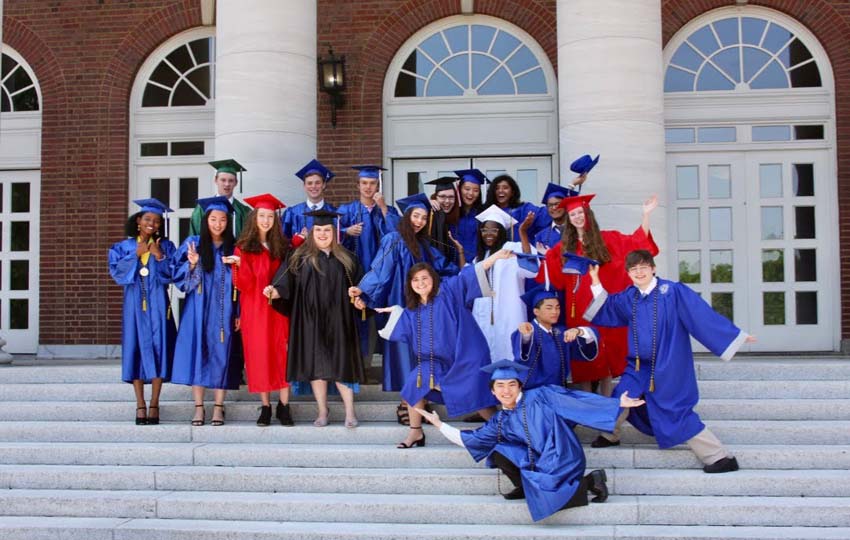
(669, 411)
(559, 462)
(202, 354)
(466, 232)
(294, 220)
(548, 360)
(548, 236)
(459, 349)
(542, 219)
(383, 285)
(147, 337)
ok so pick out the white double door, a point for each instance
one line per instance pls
(756, 234)
(532, 173)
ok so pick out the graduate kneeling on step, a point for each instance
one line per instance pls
(662, 316)
(532, 440)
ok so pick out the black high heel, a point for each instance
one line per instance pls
(417, 442)
(153, 420)
(218, 422)
(265, 418)
(141, 420)
(201, 421)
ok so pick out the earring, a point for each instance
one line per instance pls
(138, 227)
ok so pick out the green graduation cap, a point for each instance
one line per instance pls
(229, 166)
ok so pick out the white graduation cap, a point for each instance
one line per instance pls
(494, 213)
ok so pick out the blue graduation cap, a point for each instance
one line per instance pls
(369, 171)
(315, 167)
(555, 190)
(584, 164)
(420, 200)
(536, 295)
(216, 203)
(152, 205)
(576, 264)
(472, 175)
(529, 261)
(505, 369)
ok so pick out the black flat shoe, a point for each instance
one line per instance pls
(200, 422)
(596, 485)
(284, 414)
(153, 420)
(218, 422)
(602, 442)
(141, 420)
(265, 418)
(517, 494)
(417, 442)
(727, 464)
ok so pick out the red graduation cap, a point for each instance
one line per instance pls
(571, 203)
(266, 201)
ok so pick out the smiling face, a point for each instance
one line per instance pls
(470, 193)
(503, 193)
(422, 284)
(314, 187)
(367, 188)
(490, 233)
(225, 183)
(506, 391)
(641, 274)
(548, 311)
(446, 200)
(418, 219)
(323, 236)
(266, 219)
(555, 211)
(577, 218)
(149, 224)
(217, 223)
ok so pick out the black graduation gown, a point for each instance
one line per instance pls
(323, 340)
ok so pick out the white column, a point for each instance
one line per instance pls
(265, 102)
(611, 102)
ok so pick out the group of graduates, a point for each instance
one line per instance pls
(490, 308)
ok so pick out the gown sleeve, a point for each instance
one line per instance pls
(553, 262)
(283, 282)
(244, 278)
(521, 350)
(481, 442)
(398, 327)
(624, 243)
(610, 310)
(465, 287)
(713, 330)
(390, 221)
(378, 279)
(184, 278)
(441, 264)
(123, 263)
(582, 349)
(585, 408)
(165, 268)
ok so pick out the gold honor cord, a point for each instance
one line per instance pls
(654, 294)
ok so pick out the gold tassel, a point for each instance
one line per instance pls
(637, 363)
(168, 313)
(419, 380)
(362, 314)
(234, 294)
(573, 309)
(431, 382)
(652, 384)
(351, 299)
(222, 335)
(200, 290)
(144, 304)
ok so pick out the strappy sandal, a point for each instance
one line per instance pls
(201, 421)
(141, 420)
(218, 422)
(417, 442)
(402, 415)
(153, 420)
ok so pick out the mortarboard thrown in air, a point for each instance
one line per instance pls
(494, 213)
(538, 294)
(369, 171)
(420, 200)
(444, 183)
(584, 164)
(266, 201)
(229, 166)
(571, 203)
(472, 175)
(315, 167)
(555, 190)
(216, 203)
(505, 369)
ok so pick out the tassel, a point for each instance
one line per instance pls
(652, 384)
(572, 310)
(431, 382)
(234, 294)
(200, 290)
(222, 335)
(637, 363)
(362, 314)
(419, 380)
(168, 313)
(144, 304)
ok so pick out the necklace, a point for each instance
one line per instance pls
(419, 349)
(654, 294)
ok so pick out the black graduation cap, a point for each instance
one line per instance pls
(323, 217)
(444, 183)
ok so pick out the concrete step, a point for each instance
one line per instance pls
(470, 481)
(386, 456)
(427, 509)
(56, 528)
(788, 432)
(383, 411)
(767, 389)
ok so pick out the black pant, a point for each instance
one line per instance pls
(510, 470)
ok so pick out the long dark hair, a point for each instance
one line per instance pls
(476, 207)
(131, 228)
(592, 246)
(501, 238)
(411, 298)
(413, 240)
(516, 196)
(205, 245)
(249, 239)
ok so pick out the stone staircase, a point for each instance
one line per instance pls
(73, 465)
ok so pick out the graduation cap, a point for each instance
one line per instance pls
(155, 206)
(536, 295)
(266, 201)
(571, 203)
(576, 264)
(325, 217)
(218, 202)
(229, 166)
(494, 213)
(584, 164)
(420, 200)
(472, 175)
(444, 183)
(529, 261)
(368, 171)
(555, 190)
(505, 369)
(315, 167)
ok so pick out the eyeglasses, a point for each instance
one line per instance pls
(445, 197)
(553, 205)
(490, 230)
(639, 268)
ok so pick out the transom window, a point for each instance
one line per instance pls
(184, 77)
(17, 91)
(470, 60)
(743, 53)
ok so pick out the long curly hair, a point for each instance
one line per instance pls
(249, 240)
(413, 240)
(309, 252)
(411, 299)
(592, 245)
(516, 195)
(131, 228)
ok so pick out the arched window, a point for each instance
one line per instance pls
(743, 53)
(470, 60)
(18, 91)
(184, 77)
